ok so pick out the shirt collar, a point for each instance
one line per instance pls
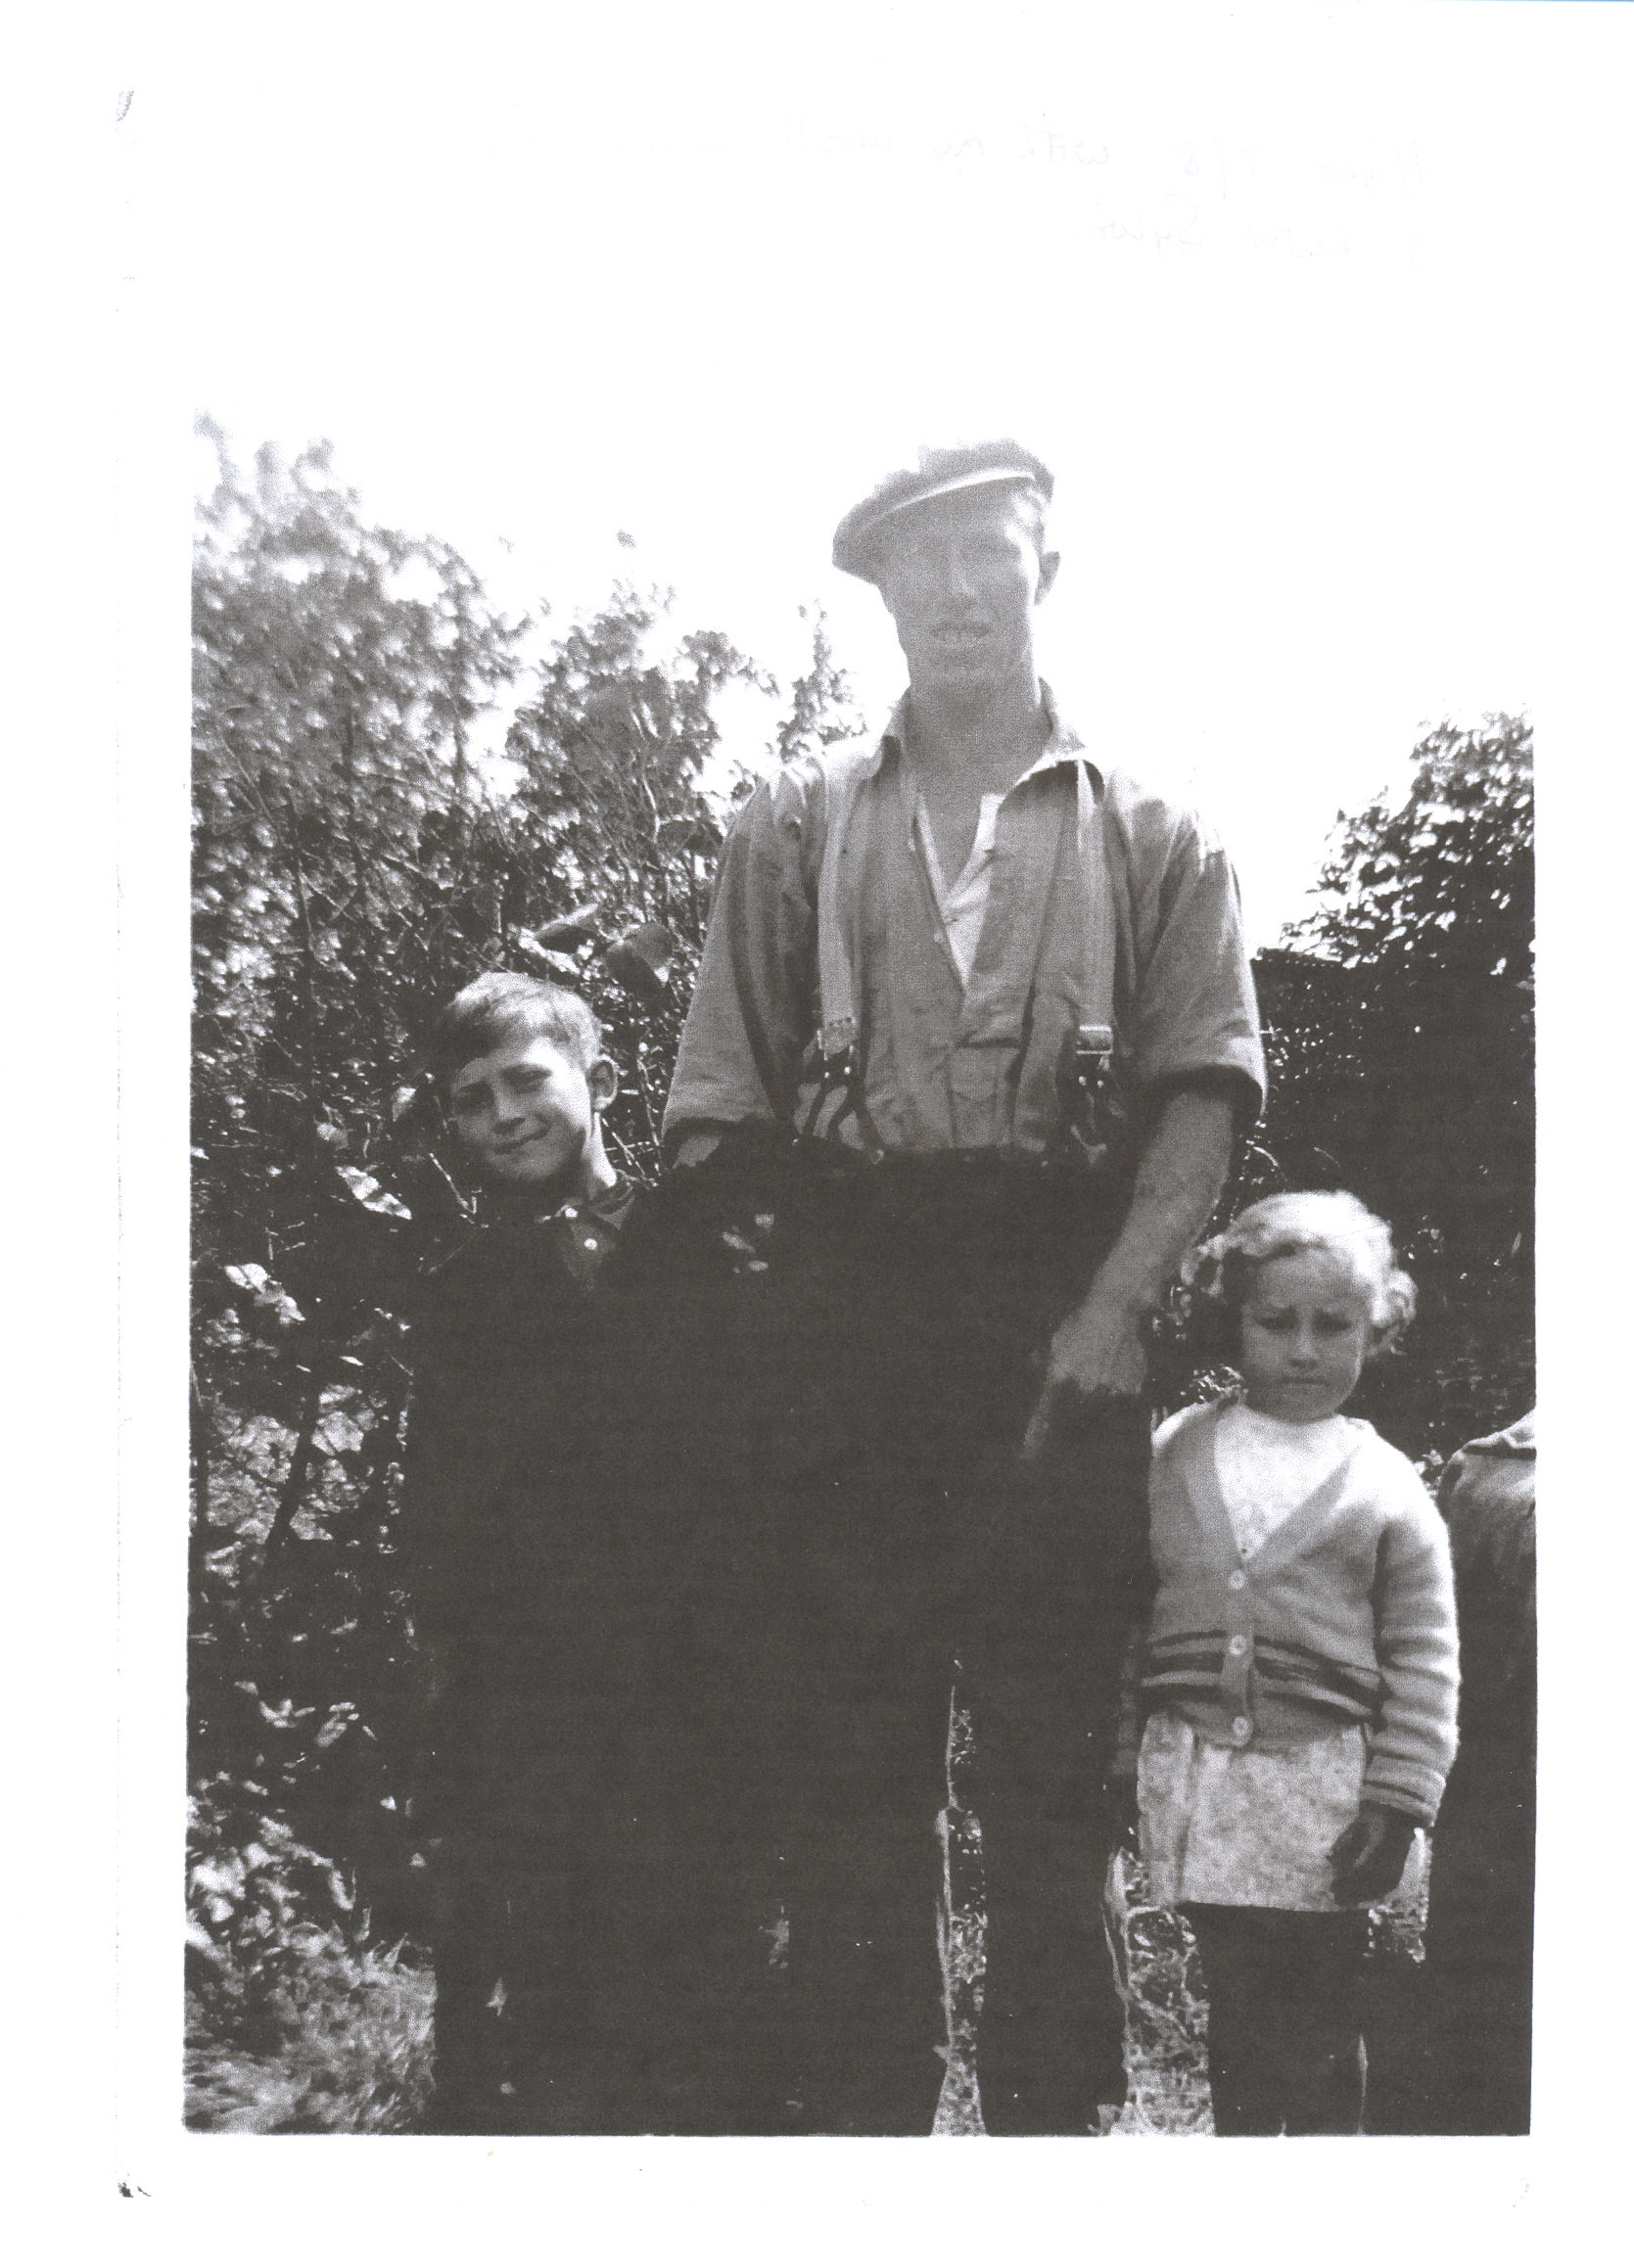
(1063, 746)
(608, 1205)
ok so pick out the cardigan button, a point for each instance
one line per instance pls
(1241, 1726)
(1238, 1645)
(1236, 1580)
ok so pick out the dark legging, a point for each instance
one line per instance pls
(1284, 2028)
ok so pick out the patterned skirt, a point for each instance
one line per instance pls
(1250, 1827)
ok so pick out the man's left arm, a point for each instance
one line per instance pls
(1099, 1349)
(1194, 1039)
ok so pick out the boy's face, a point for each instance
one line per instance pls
(526, 1111)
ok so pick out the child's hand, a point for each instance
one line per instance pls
(1369, 1857)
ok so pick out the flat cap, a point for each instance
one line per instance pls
(940, 473)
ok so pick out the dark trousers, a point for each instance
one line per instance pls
(523, 2037)
(546, 1918)
(1477, 1971)
(1059, 1583)
(1284, 2018)
(829, 1457)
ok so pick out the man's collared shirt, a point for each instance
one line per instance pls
(971, 1064)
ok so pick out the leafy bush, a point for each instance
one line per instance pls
(1402, 1068)
(299, 2021)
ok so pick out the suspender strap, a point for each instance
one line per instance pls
(838, 1031)
(1101, 931)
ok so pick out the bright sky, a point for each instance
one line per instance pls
(1258, 284)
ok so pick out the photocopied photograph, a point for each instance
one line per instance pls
(860, 1440)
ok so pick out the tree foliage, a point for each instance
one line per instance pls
(1401, 1053)
(342, 857)
(610, 806)
(1439, 893)
(820, 702)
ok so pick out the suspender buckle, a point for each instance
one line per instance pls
(842, 1076)
(838, 1043)
(1092, 1104)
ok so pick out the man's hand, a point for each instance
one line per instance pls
(1369, 1857)
(1098, 1351)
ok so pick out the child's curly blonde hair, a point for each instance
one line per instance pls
(1217, 1277)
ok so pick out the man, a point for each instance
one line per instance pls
(1001, 996)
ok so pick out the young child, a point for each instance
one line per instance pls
(514, 1573)
(1301, 1671)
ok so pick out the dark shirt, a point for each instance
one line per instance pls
(510, 1360)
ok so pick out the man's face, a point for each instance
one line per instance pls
(527, 1110)
(961, 577)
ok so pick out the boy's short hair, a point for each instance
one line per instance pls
(1220, 1274)
(493, 1007)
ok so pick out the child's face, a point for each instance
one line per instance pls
(526, 1111)
(1307, 1326)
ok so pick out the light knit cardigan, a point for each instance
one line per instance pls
(1345, 1614)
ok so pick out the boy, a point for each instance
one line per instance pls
(515, 1577)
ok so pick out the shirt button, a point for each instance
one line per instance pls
(1236, 1579)
(1241, 1726)
(590, 1244)
(570, 1212)
(1238, 1645)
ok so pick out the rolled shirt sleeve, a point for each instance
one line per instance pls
(1186, 1004)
